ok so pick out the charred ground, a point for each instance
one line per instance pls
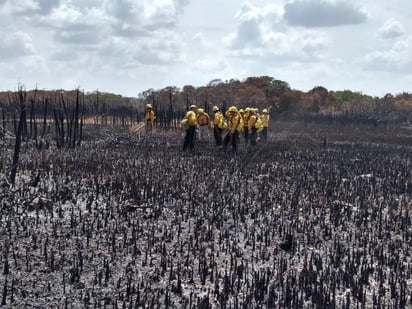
(318, 217)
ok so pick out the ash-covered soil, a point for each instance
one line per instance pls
(317, 217)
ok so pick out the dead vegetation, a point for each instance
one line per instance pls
(320, 218)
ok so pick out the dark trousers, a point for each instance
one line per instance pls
(190, 138)
(246, 135)
(265, 133)
(234, 140)
(149, 127)
(217, 133)
(253, 136)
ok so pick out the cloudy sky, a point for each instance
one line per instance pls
(128, 46)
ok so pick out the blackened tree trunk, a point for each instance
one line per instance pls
(70, 118)
(68, 124)
(22, 101)
(59, 129)
(24, 132)
(76, 120)
(46, 102)
(3, 122)
(170, 113)
(32, 121)
(15, 123)
(31, 118)
(80, 132)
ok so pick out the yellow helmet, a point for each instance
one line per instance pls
(247, 109)
(232, 109)
(192, 106)
(241, 111)
(200, 110)
(215, 108)
(148, 106)
(265, 111)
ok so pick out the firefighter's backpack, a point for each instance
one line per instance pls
(240, 125)
(222, 123)
(185, 123)
(259, 123)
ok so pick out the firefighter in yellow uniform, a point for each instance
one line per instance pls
(203, 122)
(251, 126)
(265, 121)
(190, 136)
(218, 125)
(242, 114)
(149, 117)
(246, 116)
(235, 126)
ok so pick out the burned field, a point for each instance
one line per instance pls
(317, 217)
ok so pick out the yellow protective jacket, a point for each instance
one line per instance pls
(251, 122)
(234, 120)
(246, 117)
(265, 120)
(203, 119)
(150, 115)
(216, 120)
(191, 118)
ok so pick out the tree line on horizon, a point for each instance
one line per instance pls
(268, 92)
(170, 102)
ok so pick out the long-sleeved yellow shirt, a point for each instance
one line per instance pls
(265, 120)
(149, 116)
(217, 117)
(191, 118)
(246, 117)
(251, 122)
(234, 122)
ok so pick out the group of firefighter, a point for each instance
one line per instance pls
(234, 123)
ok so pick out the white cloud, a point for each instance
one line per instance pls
(15, 45)
(322, 13)
(250, 27)
(124, 44)
(78, 26)
(18, 7)
(46, 6)
(27, 71)
(304, 43)
(210, 65)
(71, 17)
(397, 57)
(391, 29)
(163, 49)
(64, 55)
(147, 15)
(254, 22)
(160, 10)
(79, 37)
(256, 38)
(65, 15)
